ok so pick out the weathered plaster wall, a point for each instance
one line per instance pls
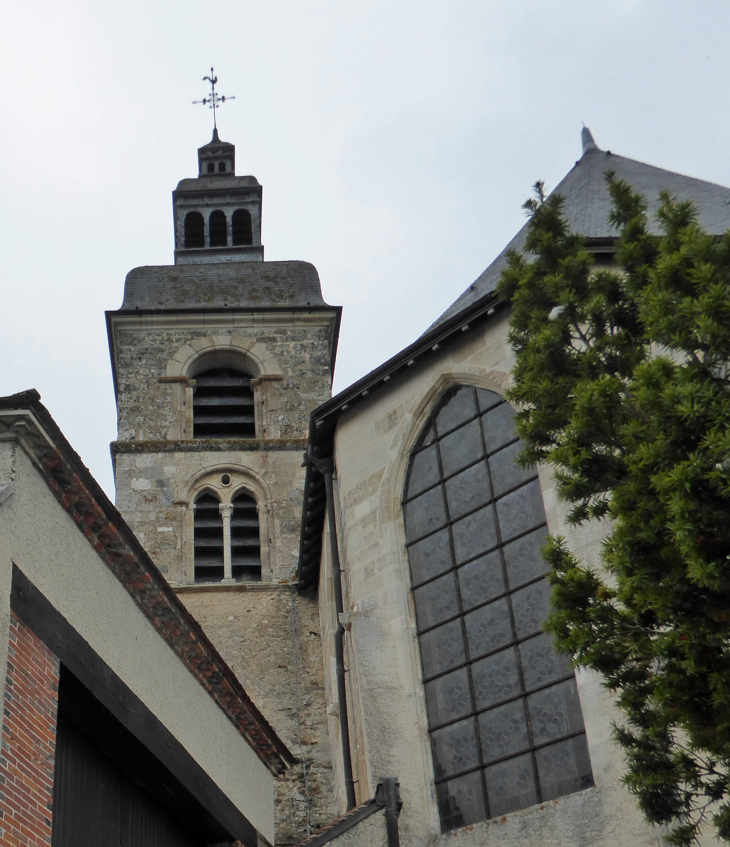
(387, 704)
(269, 635)
(44, 542)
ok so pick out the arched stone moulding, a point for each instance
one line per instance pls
(224, 350)
(207, 479)
(232, 351)
(412, 424)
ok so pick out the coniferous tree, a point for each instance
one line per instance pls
(623, 384)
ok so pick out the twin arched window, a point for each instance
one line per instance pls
(241, 228)
(226, 539)
(223, 404)
(503, 711)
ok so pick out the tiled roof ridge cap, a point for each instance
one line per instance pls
(96, 517)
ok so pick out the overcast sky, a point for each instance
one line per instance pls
(396, 142)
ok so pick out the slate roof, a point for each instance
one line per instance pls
(587, 204)
(217, 182)
(231, 285)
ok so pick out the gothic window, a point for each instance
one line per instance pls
(504, 716)
(208, 539)
(223, 405)
(226, 539)
(241, 226)
(221, 167)
(194, 230)
(218, 229)
(245, 543)
(211, 168)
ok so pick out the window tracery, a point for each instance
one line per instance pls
(226, 537)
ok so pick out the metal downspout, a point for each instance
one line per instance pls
(326, 468)
(388, 794)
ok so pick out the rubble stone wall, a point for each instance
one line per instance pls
(269, 635)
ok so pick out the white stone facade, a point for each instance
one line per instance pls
(386, 696)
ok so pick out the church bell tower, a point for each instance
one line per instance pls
(218, 214)
(218, 361)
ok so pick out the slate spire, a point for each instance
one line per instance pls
(587, 140)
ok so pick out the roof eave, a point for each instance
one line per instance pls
(323, 420)
(120, 550)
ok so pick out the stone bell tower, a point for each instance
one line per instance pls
(218, 214)
(218, 361)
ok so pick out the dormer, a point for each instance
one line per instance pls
(217, 214)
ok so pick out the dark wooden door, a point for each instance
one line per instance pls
(97, 805)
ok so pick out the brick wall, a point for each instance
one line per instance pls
(28, 739)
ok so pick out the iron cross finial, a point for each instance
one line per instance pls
(215, 99)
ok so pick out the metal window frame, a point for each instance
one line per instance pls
(432, 437)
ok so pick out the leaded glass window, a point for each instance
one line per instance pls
(504, 716)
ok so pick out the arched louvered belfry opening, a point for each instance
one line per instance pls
(211, 168)
(223, 405)
(241, 227)
(218, 229)
(208, 539)
(245, 541)
(221, 167)
(504, 717)
(194, 230)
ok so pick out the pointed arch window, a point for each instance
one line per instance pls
(208, 539)
(504, 716)
(241, 227)
(245, 540)
(194, 230)
(223, 405)
(218, 228)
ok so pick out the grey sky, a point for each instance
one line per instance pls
(396, 142)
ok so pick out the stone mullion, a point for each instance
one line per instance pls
(226, 510)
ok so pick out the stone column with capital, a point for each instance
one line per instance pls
(226, 510)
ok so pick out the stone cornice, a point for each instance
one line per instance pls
(210, 445)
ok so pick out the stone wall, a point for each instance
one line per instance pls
(269, 635)
(156, 489)
(152, 408)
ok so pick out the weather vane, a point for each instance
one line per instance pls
(215, 99)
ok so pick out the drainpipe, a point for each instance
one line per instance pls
(326, 468)
(388, 794)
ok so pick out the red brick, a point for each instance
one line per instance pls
(28, 740)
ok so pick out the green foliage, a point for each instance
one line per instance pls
(623, 383)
